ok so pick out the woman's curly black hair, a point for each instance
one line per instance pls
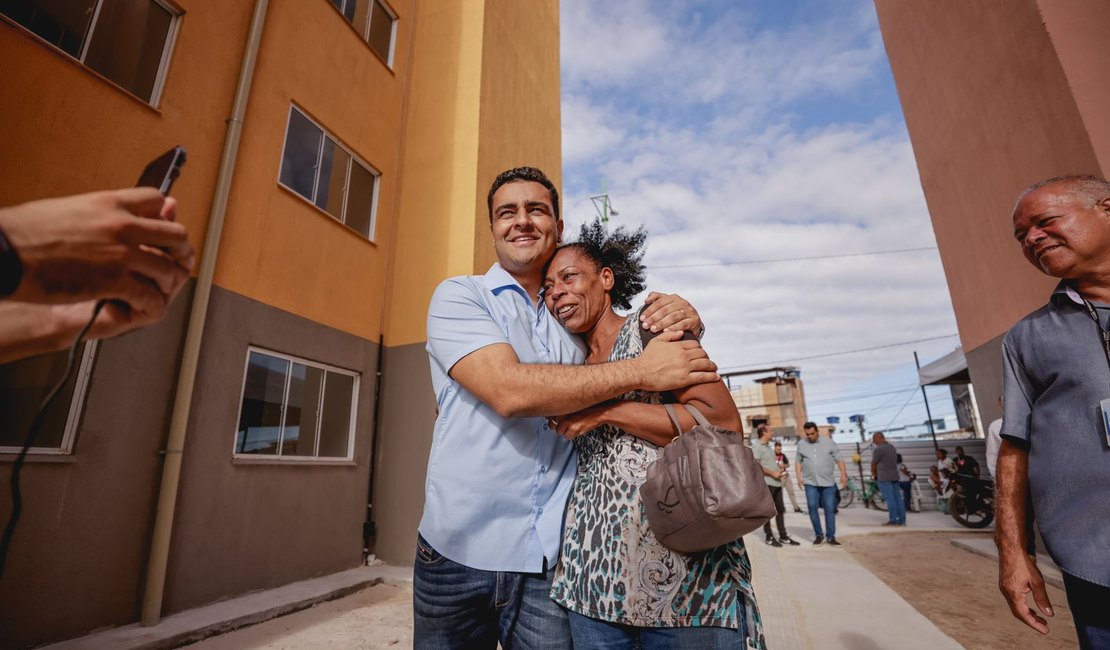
(622, 251)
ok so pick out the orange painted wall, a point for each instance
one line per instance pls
(80, 133)
(277, 247)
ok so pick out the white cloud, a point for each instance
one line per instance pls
(703, 129)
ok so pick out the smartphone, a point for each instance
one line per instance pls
(163, 170)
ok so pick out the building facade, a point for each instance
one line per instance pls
(996, 100)
(777, 401)
(350, 184)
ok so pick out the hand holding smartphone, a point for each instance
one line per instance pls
(161, 172)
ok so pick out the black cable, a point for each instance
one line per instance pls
(32, 433)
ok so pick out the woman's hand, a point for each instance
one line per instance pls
(670, 312)
(572, 425)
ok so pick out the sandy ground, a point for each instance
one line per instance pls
(374, 618)
(958, 591)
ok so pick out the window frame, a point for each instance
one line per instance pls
(176, 14)
(76, 408)
(282, 458)
(354, 158)
(364, 33)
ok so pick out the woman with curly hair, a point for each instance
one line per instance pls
(621, 586)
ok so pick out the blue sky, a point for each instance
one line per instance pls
(764, 131)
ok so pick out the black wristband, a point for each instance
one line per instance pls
(11, 268)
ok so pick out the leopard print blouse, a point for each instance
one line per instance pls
(612, 566)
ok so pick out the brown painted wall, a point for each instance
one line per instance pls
(990, 108)
(242, 526)
(78, 558)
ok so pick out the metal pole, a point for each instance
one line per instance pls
(928, 413)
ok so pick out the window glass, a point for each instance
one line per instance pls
(303, 411)
(335, 425)
(302, 151)
(333, 178)
(260, 417)
(360, 11)
(381, 31)
(62, 23)
(128, 42)
(360, 200)
(24, 385)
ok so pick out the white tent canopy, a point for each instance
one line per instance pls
(949, 369)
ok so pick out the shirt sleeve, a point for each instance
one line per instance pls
(459, 323)
(1017, 394)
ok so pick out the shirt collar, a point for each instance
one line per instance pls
(1065, 292)
(498, 279)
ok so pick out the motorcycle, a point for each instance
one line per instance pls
(972, 502)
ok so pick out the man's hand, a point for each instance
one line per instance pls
(670, 312)
(572, 425)
(1018, 576)
(119, 244)
(668, 363)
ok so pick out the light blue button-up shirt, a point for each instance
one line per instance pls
(497, 487)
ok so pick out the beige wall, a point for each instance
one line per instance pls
(472, 70)
(995, 101)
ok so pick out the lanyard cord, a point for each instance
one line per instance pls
(1104, 332)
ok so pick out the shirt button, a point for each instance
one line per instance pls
(543, 468)
(540, 511)
(545, 425)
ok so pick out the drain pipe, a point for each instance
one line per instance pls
(186, 378)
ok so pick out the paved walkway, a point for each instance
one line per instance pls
(821, 598)
(812, 598)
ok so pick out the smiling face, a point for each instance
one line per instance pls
(576, 291)
(1062, 233)
(525, 230)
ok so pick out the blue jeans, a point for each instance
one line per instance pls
(892, 494)
(591, 633)
(907, 494)
(1087, 602)
(825, 496)
(455, 606)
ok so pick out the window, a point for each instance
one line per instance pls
(24, 385)
(374, 21)
(127, 41)
(321, 170)
(293, 408)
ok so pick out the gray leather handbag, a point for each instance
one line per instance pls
(705, 489)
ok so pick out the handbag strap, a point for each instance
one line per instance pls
(698, 417)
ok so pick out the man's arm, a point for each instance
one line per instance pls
(843, 473)
(513, 389)
(650, 421)
(1018, 575)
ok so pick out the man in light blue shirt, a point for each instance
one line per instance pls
(498, 477)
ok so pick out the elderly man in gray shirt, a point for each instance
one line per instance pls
(817, 458)
(1056, 393)
(884, 469)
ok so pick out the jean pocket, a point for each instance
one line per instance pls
(425, 554)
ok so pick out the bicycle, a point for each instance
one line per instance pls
(869, 495)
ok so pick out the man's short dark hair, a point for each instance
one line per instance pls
(778, 444)
(959, 450)
(523, 174)
(760, 428)
(942, 452)
(809, 425)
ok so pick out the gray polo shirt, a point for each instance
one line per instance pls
(885, 457)
(817, 461)
(1054, 374)
(765, 454)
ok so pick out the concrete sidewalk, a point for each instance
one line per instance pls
(810, 597)
(821, 598)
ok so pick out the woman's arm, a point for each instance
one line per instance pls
(650, 421)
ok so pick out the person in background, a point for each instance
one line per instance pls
(817, 458)
(905, 481)
(772, 476)
(966, 465)
(787, 484)
(884, 470)
(945, 465)
(994, 441)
